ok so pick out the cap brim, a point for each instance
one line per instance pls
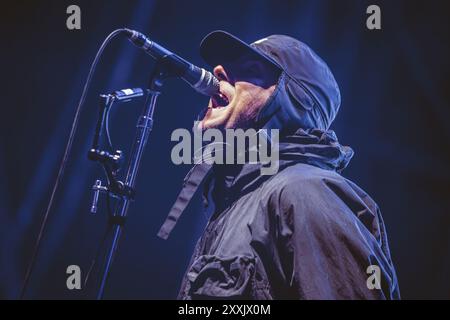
(221, 47)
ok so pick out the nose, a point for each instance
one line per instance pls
(221, 74)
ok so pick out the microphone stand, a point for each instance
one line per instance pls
(125, 191)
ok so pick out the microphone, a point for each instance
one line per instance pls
(201, 80)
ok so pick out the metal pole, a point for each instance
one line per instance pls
(144, 127)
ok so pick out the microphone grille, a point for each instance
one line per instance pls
(208, 84)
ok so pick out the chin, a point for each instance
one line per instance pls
(218, 121)
(211, 124)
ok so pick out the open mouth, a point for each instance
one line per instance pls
(219, 101)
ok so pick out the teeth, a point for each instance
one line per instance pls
(223, 97)
(220, 100)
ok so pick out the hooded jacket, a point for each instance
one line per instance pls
(304, 233)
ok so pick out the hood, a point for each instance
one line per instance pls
(316, 147)
(307, 95)
(289, 109)
(310, 146)
(226, 183)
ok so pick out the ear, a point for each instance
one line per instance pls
(220, 73)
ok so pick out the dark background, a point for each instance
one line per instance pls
(395, 113)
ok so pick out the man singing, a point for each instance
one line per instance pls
(305, 232)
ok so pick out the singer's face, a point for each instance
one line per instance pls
(245, 87)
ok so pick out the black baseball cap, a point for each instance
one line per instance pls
(311, 83)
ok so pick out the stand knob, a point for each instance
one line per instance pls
(96, 187)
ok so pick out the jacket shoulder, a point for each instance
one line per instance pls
(312, 184)
(298, 176)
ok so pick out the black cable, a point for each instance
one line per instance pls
(65, 158)
(108, 135)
